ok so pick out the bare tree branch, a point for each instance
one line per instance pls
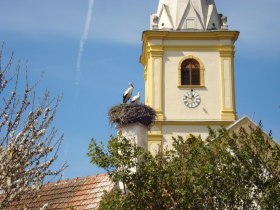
(28, 143)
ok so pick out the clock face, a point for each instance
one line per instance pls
(191, 99)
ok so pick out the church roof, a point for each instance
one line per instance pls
(246, 123)
(187, 15)
(79, 193)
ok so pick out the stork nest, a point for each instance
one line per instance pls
(125, 114)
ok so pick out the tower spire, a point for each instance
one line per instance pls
(187, 15)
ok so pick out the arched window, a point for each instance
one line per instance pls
(190, 72)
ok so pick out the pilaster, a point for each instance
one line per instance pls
(156, 56)
(155, 141)
(228, 111)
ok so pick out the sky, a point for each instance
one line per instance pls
(89, 50)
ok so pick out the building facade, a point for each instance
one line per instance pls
(188, 59)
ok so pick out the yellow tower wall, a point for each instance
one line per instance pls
(163, 52)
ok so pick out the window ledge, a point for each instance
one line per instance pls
(191, 86)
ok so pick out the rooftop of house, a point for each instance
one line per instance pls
(78, 193)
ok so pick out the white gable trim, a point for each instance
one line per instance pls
(165, 10)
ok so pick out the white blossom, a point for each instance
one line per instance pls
(27, 149)
(38, 112)
(19, 135)
(41, 133)
(47, 110)
(31, 114)
(6, 117)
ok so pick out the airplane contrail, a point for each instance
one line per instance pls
(82, 42)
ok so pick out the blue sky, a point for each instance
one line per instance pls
(48, 35)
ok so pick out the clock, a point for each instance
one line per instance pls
(191, 99)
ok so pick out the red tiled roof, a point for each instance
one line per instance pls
(80, 193)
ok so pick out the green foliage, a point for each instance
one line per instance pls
(117, 159)
(125, 114)
(227, 171)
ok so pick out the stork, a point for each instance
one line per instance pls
(127, 94)
(136, 98)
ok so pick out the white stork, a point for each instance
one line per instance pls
(136, 98)
(127, 94)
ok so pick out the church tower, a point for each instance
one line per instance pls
(188, 59)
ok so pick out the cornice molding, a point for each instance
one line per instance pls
(190, 35)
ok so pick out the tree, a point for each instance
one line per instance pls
(227, 171)
(28, 146)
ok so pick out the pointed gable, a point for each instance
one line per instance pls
(201, 8)
(165, 19)
(187, 15)
(213, 19)
(190, 19)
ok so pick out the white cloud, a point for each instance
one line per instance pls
(42, 18)
(124, 20)
(83, 39)
(121, 21)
